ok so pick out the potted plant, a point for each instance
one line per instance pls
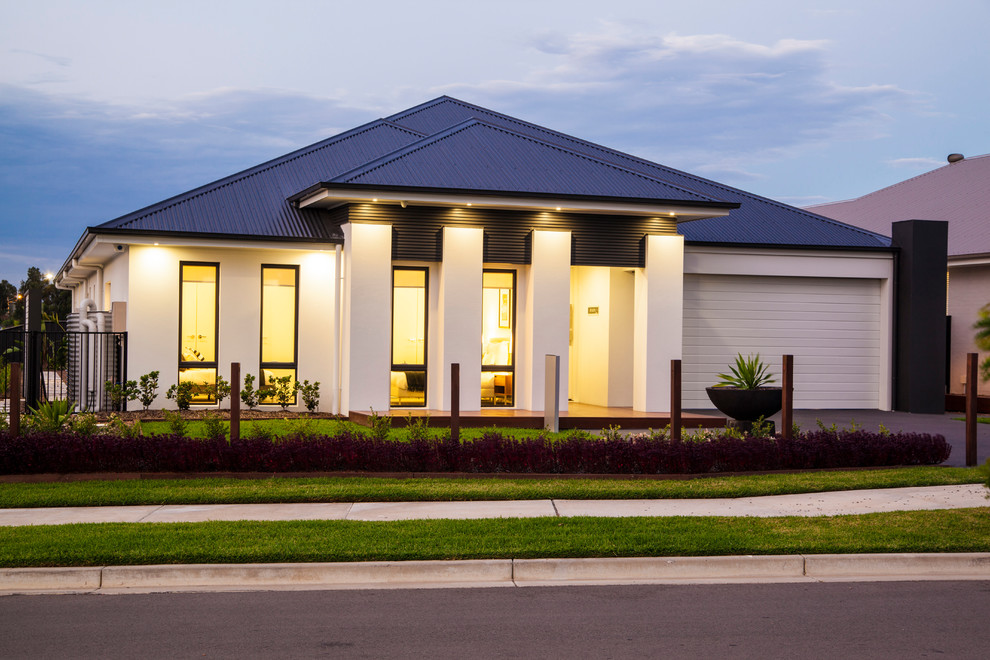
(745, 394)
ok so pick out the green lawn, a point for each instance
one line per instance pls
(979, 420)
(373, 489)
(960, 530)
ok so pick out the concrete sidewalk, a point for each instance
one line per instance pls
(851, 502)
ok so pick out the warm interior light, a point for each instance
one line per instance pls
(374, 199)
(469, 203)
(558, 208)
(156, 242)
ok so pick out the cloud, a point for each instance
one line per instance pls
(916, 163)
(706, 102)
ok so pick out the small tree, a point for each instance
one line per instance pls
(310, 394)
(148, 388)
(221, 390)
(282, 390)
(982, 327)
(121, 392)
(250, 396)
(182, 393)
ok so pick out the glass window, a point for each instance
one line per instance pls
(498, 331)
(198, 328)
(408, 376)
(279, 324)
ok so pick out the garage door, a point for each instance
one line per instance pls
(830, 325)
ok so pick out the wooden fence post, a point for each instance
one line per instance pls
(455, 401)
(972, 384)
(235, 401)
(15, 398)
(787, 397)
(675, 400)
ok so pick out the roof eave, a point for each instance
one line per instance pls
(330, 195)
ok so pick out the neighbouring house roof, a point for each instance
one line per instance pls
(958, 193)
(450, 144)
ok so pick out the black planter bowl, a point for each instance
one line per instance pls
(746, 405)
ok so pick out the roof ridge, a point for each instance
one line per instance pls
(268, 165)
(938, 169)
(474, 121)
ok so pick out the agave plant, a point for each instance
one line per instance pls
(51, 415)
(749, 373)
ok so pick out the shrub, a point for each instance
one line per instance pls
(310, 394)
(117, 426)
(84, 424)
(182, 393)
(381, 425)
(176, 425)
(282, 390)
(148, 389)
(214, 426)
(613, 432)
(418, 428)
(491, 453)
(49, 416)
(220, 390)
(121, 392)
(252, 397)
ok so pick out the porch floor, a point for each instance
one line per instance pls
(578, 416)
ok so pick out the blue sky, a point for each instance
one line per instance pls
(108, 106)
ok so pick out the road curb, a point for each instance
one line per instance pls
(496, 573)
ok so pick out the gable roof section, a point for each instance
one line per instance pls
(253, 202)
(958, 192)
(475, 155)
(759, 220)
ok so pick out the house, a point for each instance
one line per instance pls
(449, 233)
(958, 193)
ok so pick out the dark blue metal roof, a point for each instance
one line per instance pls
(478, 156)
(758, 220)
(446, 143)
(253, 202)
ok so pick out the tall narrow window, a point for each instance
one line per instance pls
(408, 377)
(498, 332)
(198, 328)
(279, 328)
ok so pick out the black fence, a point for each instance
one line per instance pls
(64, 365)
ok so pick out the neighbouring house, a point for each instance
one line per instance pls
(958, 193)
(449, 233)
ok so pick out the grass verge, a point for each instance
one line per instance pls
(959, 530)
(374, 489)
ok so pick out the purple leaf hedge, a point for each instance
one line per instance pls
(493, 452)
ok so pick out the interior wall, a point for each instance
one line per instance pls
(602, 342)
(969, 290)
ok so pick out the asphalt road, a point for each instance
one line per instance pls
(833, 620)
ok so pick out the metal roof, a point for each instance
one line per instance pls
(759, 220)
(446, 143)
(479, 156)
(958, 193)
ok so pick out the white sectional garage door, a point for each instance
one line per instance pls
(831, 326)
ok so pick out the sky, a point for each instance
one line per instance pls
(109, 106)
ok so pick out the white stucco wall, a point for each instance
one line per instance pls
(367, 317)
(153, 311)
(458, 319)
(545, 324)
(657, 333)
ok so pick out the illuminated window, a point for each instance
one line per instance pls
(498, 331)
(408, 376)
(279, 327)
(198, 328)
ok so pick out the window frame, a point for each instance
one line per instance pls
(424, 367)
(201, 364)
(294, 365)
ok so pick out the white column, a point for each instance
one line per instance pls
(459, 318)
(659, 321)
(546, 326)
(367, 322)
